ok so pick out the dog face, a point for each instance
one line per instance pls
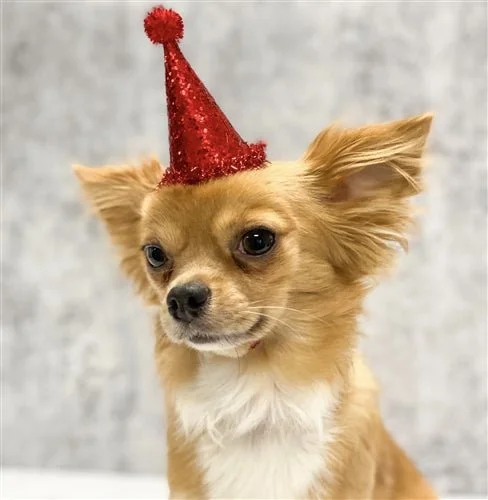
(217, 255)
(262, 253)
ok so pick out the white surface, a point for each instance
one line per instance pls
(54, 484)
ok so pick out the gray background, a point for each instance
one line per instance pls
(81, 83)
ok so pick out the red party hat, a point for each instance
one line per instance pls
(203, 143)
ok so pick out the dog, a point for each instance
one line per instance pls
(256, 282)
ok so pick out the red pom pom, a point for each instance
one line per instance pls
(163, 25)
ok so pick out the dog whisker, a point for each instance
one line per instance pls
(283, 308)
(274, 318)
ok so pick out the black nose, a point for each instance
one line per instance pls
(186, 302)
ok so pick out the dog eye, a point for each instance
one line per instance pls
(155, 255)
(257, 242)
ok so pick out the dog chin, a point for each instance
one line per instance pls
(229, 351)
(229, 345)
(224, 346)
(233, 345)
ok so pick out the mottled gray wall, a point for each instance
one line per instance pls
(82, 84)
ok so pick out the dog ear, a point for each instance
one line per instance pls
(116, 194)
(365, 176)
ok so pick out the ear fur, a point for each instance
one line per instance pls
(364, 177)
(370, 158)
(115, 194)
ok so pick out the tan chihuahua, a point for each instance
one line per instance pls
(257, 279)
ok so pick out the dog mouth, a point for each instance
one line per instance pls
(232, 339)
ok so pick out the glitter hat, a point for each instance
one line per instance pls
(203, 144)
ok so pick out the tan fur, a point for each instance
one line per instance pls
(338, 215)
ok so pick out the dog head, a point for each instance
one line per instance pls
(263, 253)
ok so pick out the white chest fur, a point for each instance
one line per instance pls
(258, 438)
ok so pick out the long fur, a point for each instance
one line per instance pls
(297, 416)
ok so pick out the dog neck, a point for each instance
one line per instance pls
(313, 353)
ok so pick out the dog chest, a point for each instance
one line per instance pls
(257, 437)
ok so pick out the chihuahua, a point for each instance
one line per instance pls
(256, 281)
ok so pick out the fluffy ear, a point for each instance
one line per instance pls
(365, 176)
(115, 194)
